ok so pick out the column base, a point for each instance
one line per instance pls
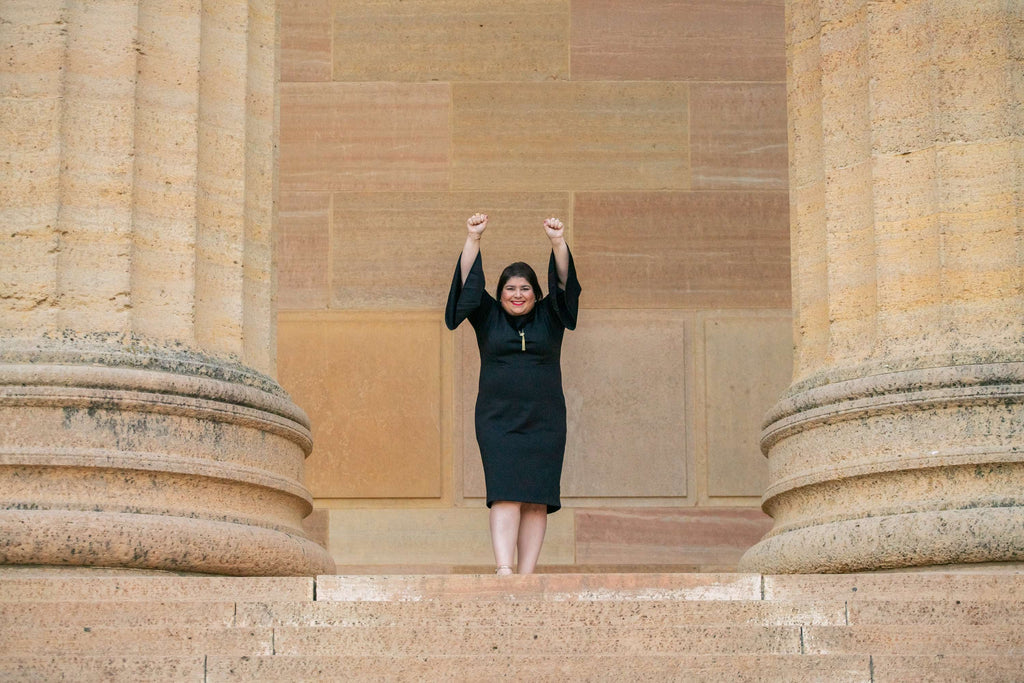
(897, 470)
(158, 460)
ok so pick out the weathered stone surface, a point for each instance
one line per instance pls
(981, 584)
(102, 669)
(143, 427)
(898, 444)
(119, 466)
(896, 627)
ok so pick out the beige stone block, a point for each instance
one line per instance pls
(921, 640)
(1001, 668)
(413, 266)
(88, 585)
(443, 536)
(627, 414)
(562, 136)
(329, 666)
(306, 40)
(98, 669)
(629, 417)
(738, 136)
(748, 363)
(111, 640)
(687, 640)
(525, 611)
(683, 249)
(303, 250)
(542, 587)
(937, 613)
(980, 585)
(478, 641)
(553, 668)
(451, 40)
(148, 614)
(371, 386)
(365, 136)
(678, 41)
(707, 668)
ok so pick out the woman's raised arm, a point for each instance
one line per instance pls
(475, 227)
(556, 233)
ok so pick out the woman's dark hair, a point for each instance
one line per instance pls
(519, 269)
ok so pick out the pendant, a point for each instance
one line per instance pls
(522, 334)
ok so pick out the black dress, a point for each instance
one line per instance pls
(520, 407)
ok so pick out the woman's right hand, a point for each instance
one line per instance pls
(476, 224)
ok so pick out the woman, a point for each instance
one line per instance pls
(520, 407)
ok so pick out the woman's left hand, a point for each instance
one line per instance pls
(554, 228)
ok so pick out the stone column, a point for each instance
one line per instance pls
(901, 440)
(141, 424)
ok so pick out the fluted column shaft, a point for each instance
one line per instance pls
(137, 329)
(901, 440)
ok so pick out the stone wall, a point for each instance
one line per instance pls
(657, 131)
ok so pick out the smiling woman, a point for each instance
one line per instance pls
(520, 408)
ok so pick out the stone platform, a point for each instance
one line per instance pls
(926, 626)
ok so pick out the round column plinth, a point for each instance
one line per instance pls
(917, 467)
(166, 461)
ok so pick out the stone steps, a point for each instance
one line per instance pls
(713, 627)
(700, 668)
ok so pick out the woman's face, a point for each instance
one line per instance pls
(517, 296)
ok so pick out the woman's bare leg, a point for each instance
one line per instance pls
(533, 522)
(505, 522)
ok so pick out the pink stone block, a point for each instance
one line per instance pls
(708, 536)
(303, 250)
(738, 136)
(673, 40)
(305, 40)
(365, 136)
(684, 249)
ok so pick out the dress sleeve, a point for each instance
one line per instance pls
(566, 302)
(464, 299)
